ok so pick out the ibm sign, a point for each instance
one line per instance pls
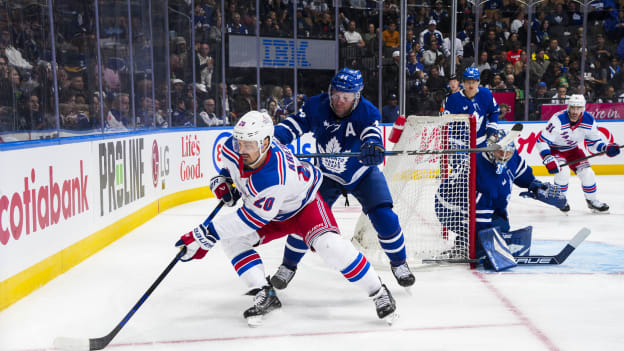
(281, 53)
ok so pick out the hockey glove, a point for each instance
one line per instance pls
(224, 191)
(612, 150)
(371, 153)
(197, 243)
(545, 192)
(492, 135)
(551, 164)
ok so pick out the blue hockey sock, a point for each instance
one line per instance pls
(389, 233)
(293, 251)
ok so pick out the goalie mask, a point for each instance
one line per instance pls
(344, 91)
(254, 127)
(500, 157)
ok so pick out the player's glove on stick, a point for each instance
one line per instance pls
(551, 164)
(371, 153)
(612, 150)
(222, 188)
(197, 242)
(546, 193)
(492, 135)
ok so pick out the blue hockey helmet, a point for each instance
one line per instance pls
(347, 80)
(472, 73)
(500, 157)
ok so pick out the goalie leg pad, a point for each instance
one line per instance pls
(519, 241)
(496, 249)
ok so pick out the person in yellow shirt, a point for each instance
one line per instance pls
(391, 39)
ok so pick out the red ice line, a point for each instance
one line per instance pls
(515, 310)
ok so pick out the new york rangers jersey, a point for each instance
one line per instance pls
(562, 135)
(483, 106)
(334, 135)
(276, 191)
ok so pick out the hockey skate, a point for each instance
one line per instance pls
(385, 305)
(403, 275)
(282, 277)
(597, 206)
(265, 301)
(566, 208)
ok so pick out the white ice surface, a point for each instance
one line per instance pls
(199, 305)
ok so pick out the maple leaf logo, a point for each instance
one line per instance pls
(334, 164)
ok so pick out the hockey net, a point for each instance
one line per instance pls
(414, 181)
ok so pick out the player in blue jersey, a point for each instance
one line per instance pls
(343, 121)
(477, 101)
(496, 173)
(561, 141)
(280, 196)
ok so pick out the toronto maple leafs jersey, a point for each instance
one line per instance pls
(493, 193)
(334, 135)
(494, 190)
(562, 135)
(483, 106)
(276, 191)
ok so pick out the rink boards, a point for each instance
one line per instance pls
(62, 200)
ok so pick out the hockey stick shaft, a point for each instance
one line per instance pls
(529, 260)
(102, 342)
(511, 136)
(587, 157)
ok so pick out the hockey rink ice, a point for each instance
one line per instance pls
(578, 305)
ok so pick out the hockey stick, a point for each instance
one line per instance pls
(587, 157)
(511, 136)
(66, 343)
(530, 260)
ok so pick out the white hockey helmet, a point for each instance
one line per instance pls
(254, 126)
(576, 100)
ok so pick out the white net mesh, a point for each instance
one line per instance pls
(414, 181)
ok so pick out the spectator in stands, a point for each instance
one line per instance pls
(538, 66)
(614, 25)
(430, 33)
(207, 116)
(352, 37)
(559, 17)
(483, 62)
(541, 97)
(119, 115)
(243, 101)
(276, 113)
(236, 27)
(601, 51)
(148, 115)
(459, 49)
(277, 93)
(370, 37)
(435, 82)
(73, 115)
(180, 116)
(410, 41)
(596, 75)
(515, 53)
(438, 13)
(518, 21)
(31, 115)
(269, 28)
(391, 38)
(390, 112)
(324, 28)
(542, 35)
(287, 102)
(204, 65)
(608, 95)
(555, 52)
(561, 96)
(431, 54)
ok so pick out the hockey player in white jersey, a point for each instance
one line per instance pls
(343, 121)
(477, 101)
(279, 197)
(561, 141)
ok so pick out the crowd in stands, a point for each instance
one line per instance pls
(136, 93)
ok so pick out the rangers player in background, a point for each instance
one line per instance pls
(280, 197)
(475, 100)
(561, 141)
(343, 121)
(497, 171)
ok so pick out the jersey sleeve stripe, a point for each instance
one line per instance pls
(370, 131)
(543, 139)
(229, 154)
(291, 124)
(250, 219)
(282, 168)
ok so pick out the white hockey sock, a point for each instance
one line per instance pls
(588, 182)
(342, 256)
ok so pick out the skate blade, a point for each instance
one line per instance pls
(255, 321)
(599, 212)
(391, 318)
